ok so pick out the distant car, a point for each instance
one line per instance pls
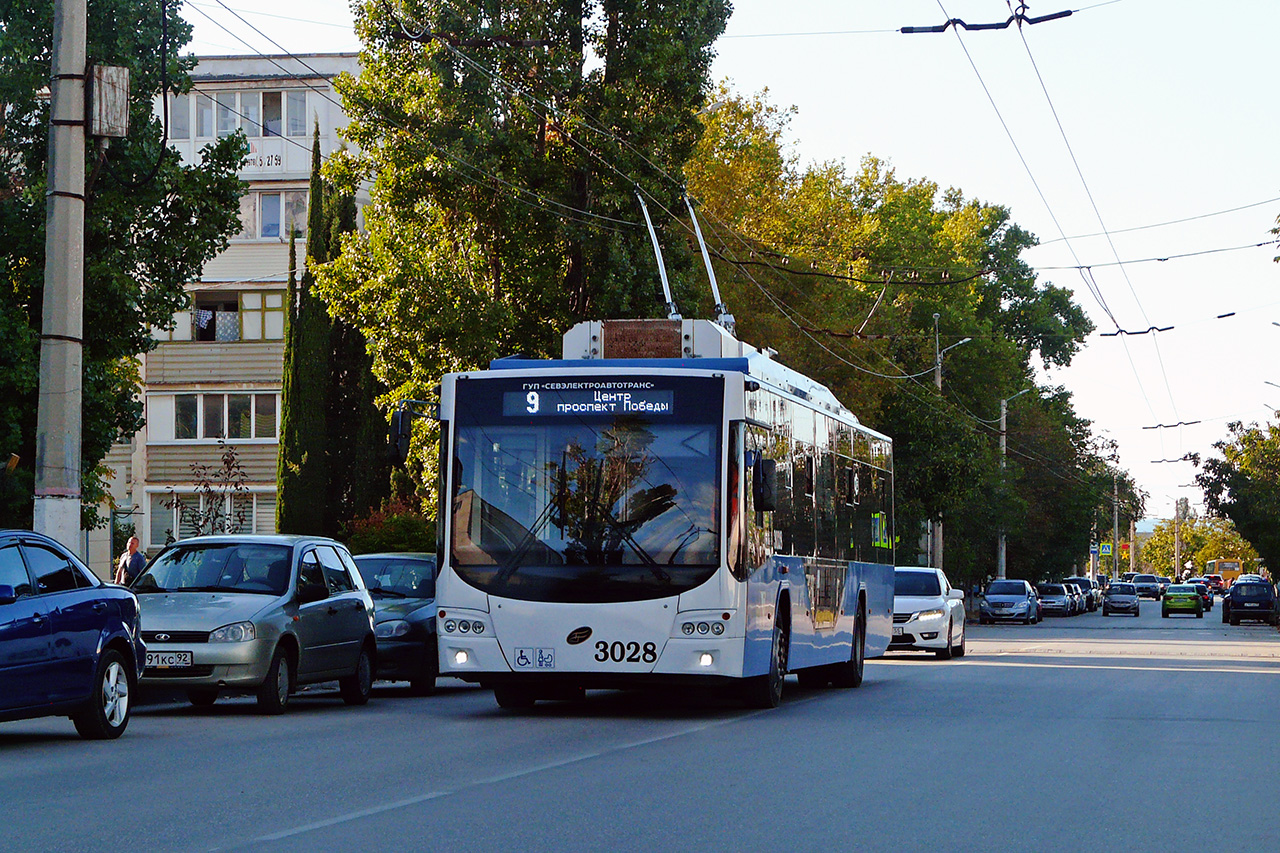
(1013, 600)
(1128, 577)
(1148, 586)
(1121, 598)
(69, 644)
(1080, 603)
(1165, 583)
(1215, 583)
(1202, 588)
(1252, 600)
(1092, 592)
(403, 587)
(928, 614)
(1054, 598)
(1181, 598)
(257, 613)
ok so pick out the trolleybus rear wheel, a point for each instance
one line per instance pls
(850, 674)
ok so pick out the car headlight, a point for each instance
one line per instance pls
(391, 629)
(930, 614)
(238, 632)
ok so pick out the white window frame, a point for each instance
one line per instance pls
(168, 408)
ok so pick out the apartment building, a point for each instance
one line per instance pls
(217, 373)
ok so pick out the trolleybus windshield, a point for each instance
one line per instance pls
(585, 489)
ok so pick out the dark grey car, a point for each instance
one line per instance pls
(1120, 598)
(1014, 600)
(403, 587)
(258, 613)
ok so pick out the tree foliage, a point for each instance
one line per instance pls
(1244, 485)
(504, 142)
(1203, 539)
(144, 239)
(860, 279)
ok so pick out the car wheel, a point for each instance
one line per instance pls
(982, 620)
(849, 674)
(273, 693)
(1235, 620)
(1164, 614)
(765, 691)
(958, 651)
(944, 653)
(1026, 620)
(1106, 612)
(1199, 613)
(513, 698)
(202, 698)
(357, 686)
(425, 684)
(107, 713)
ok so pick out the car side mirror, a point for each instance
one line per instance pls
(956, 595)
(309, 592)
(765, 485)
(7, 595)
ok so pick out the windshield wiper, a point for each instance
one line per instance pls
(378, 592)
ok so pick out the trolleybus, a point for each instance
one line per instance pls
(663, 505)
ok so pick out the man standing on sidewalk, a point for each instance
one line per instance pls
(131, 564)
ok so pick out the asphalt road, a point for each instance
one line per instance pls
(1080, 733)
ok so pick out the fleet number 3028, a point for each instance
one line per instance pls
(620, 652)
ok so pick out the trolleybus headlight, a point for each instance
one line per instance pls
(687, 627)
(706, 659)
(464, 626)
(450, 626)
(460, 658)
(703, 627)
(717, 627)
(477, 627)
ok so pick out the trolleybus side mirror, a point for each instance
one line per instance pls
(765, 485)
(401, 430)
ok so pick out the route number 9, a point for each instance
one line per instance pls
(532, 399)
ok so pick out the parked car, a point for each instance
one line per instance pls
(1092, 592)
(1121, 598)
(1250, 599)
(1128, 577)
(1165, 583)
(1148, 586)
(403, 587)
(258, 613)
(1054, 598)
(1009, 600)
(1181, 598)
(1079, 601)
(69, 644)
(928, 613)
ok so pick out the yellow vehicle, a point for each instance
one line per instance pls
(1228, 569)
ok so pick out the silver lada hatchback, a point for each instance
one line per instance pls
(258, 613)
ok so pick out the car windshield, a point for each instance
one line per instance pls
(1121, 589)
(1051, 589)
(398, 577)
(1006, 588)
(1180, 589)
(586, 490)
(196, 566)
(916, 583)
(1145, 579)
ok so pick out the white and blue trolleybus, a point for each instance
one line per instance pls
(665, 505)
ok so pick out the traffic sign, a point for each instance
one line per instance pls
(1093, 550)
(1106, 549)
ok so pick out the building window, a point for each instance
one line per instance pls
(282, 214)
(217, 318)
(210, 417)
(228, 116)
(204, 117)
(297, 100)
(262, 316)
(180, 117)
(272, 114)
(250, 113)
(243, 513)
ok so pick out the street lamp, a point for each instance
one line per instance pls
(1004, 411)
(935, 540)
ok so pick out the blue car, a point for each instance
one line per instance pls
(69, 644)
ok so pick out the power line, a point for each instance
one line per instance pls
(1164, 258)
(1163, 224)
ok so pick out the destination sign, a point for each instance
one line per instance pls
(542, 401)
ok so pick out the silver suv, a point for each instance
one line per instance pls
(259, 613)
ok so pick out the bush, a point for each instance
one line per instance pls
(398, 525)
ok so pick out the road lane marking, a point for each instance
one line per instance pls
(1258, 671)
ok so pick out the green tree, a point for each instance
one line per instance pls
(504, 144)
(147, 234)
(1244, 485)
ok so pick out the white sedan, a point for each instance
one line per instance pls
(928, 613)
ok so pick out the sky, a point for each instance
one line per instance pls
(1122, 117)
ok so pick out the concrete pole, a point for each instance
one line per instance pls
(1115, 525)
(57, 481)
(1177, 536)
(1133, 546)
(1004, 411)
(935, 541)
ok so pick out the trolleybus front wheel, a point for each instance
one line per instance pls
(765, 691)
(513, 698)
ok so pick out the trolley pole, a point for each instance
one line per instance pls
(58, 417)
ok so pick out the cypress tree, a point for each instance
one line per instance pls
(302, 470)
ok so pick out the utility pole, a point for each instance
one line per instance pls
(1004, 412)
(1115, 524)
(935, 540)
(57, 465)
(1177, 536)
(1133, 546)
